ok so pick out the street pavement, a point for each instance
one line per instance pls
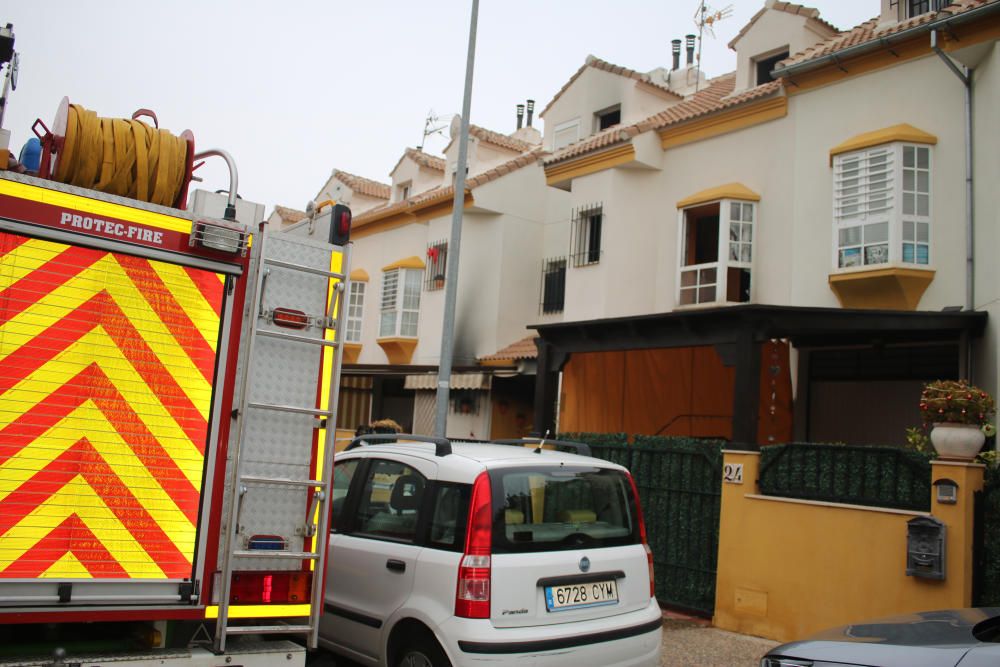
(686, 643)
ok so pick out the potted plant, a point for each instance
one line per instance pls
(960, 414)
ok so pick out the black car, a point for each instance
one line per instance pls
(963, 637)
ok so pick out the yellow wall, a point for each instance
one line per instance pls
(789, 568)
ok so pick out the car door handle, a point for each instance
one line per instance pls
(395, 565)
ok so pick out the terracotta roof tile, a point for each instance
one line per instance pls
(446, 193)
(289, 215)
(362, 185)
(501, 140)
(597, 63)
(609, 137)
(870, 31)
(789, 8)
(716, 97)
(425, 160)
(522, 349)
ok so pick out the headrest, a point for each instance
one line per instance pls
(407, 492)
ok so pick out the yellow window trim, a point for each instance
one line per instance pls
(724, 122)
(903, 132)
(408, 263)
(359, 275)
(260, 610)
(895, 288)
(352, 351)
(727, 191)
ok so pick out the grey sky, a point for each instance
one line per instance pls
(295, 89)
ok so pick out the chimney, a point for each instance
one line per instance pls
(675, 48)
(690, 49)
(520, 115)
(531, 111)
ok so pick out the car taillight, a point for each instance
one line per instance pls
(270, 587)
(472, 597)
(642, 534)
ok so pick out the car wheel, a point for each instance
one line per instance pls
(422, 652)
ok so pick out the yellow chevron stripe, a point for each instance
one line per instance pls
(95, 207)
(107, 275)
(28, 392)
(67, 567)
(90, 421)
(25, 259)
(190, 299)
(77, 497)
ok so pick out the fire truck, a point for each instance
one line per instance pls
(168, 389)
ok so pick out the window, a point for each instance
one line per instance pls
(565, 134)
(918, 7)
(882, 206)
(403, 191)
(355, 311)
(448, 516)
(437, 264)
(608, 117)
(764, 67)
(400, 303)
(585, 235)
(704, 276)
(389, 507)
(553, 284)
(343, 473)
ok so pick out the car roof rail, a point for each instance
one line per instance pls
(442, 446)
(581, 448)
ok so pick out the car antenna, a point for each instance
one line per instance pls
(541, 443)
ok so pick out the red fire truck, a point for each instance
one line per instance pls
(168, 386)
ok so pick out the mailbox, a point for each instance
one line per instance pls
(925, 548)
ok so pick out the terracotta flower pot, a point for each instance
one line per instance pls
(957, 441)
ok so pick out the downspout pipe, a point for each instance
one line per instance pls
(964, 75)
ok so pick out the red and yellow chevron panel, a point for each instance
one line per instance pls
(106, 370)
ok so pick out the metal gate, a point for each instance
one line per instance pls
(680, 486)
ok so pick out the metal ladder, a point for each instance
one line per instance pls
(241, 483)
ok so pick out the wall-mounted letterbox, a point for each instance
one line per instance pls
(925, 548)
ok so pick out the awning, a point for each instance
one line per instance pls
(428, 381)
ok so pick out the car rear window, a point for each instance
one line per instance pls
(552, 509)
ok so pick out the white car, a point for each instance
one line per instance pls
(450, 553)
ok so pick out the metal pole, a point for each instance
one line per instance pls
(458, 205)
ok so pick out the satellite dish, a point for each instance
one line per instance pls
(455, 127)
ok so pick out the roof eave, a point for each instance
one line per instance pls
(883, 42)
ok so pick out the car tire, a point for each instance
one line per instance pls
(421, 651)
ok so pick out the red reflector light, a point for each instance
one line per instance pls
(343, 222)
(472, 598)
(270, 587)
(292, 319)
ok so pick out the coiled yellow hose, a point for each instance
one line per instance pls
(121, 157)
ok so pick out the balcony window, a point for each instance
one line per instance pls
(400, 302)
(608, 117)
(355, 311)
(716, 252)
(882, 206)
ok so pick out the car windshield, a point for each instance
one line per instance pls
(550, 509)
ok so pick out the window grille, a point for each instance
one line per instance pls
(437, 265)
(585, 235)
(918, 7)
(553, 284)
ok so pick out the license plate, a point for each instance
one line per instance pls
(577, 596)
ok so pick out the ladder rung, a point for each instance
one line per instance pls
(283, 481)
(305, 269)
(297, 339)
(291, 408)
(264, 553)
(267, 629)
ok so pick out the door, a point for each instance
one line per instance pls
(374, 551)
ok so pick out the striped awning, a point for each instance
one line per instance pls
(428, 381)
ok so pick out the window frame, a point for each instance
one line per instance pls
(723, 262)
(892, 214)
(436, 271)
(601, 114)
(551, 267)
(354, 323)
(359, 482)
(562, 127)
(586, 235)
(404, 278)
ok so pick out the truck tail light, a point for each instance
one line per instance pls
(290, 318)
(340, 225)
(290, 587)
(472, 597)
(642, 534)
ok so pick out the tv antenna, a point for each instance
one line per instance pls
(432, 126)
(705, 18)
